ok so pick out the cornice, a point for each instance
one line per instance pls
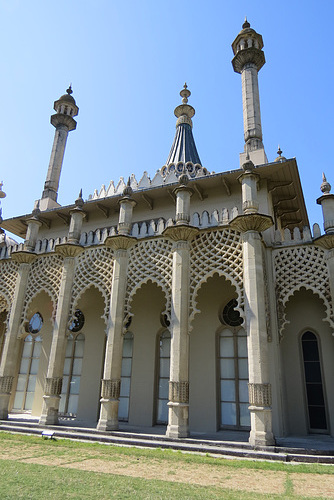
(251, 222)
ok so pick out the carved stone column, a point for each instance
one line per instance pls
(178, 413)
(254, 287)
(111, 382)
(12, 342)
(53, 382)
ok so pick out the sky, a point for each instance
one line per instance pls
(127, 61)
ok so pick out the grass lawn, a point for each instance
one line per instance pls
(33, 468)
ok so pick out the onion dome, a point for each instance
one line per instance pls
(280, 157)
(66, 104)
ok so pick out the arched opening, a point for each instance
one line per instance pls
(313, 383)
(27, 376)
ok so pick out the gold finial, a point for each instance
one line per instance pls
(279, 151)
(185, 93)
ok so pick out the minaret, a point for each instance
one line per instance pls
(248, 60)
(64, 122)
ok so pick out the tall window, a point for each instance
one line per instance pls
(233, 370)
(72, 374)
(3, 316)
(73, 366)
(313, 381)
(163, 382)
(26, 381)
(123, 409)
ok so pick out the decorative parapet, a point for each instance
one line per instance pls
(6, 384)
(53, 386)
(259, 394)
(251, 222)
(111, 388)
(178, 392)
(181, 233)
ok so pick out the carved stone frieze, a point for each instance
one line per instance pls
(259, 394)
(251, 222)
(23, 257)
(120, 242)
(182, 232)
(110, 388)
(6, 384)
(68, 249)
(179, 392)
(326, 241)
(53, 386)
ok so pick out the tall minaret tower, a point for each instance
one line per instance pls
(248, 60)
(64, 122)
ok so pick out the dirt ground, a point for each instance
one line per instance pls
(256, 481)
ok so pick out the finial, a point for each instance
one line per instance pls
(79, 201)
(185, 93)
(69, 90)
(2, 193)
(246, 24)
(248, 166)
(279, 151)
(325, 186)
(127, 191)
(36, 210)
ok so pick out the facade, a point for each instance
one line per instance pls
(195, 300)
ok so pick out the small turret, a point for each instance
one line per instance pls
(327, 203)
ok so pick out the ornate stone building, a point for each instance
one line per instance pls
(200, 301)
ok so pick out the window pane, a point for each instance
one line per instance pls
(75, 385)
(127, 348)
(244, 415)
(79, 347)
(21, 382)
(123, 409)
(162, 411)
(126, 367)
(125, 386)
(67, 366)
(226, 347)
(243, 391)
(228, 414)
(227, 368)
(24, 365)
(317, 417)
(69, 347)
(18, 400)
(315, 394)
(227, 390)
(77, 366)
(29, 401)
(312, 371)
(310, 350)
(163, 388)
(164, 367)
(62, 404)
(243, 368)
(65, 385)
(27, 346)
(165, 348)
(242, 347)
(72, 404)
(34, 366)
(37, 349)
(31, 383)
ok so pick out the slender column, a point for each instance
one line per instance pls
(111, 382)
(251, 224)
(54, 378)
(181, 234)
(12, 342)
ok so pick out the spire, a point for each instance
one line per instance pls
(184, 148)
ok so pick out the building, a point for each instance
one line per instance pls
(193, 300)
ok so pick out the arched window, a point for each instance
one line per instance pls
(26, 381)
(163, 380)
(72, 374)
(123, 409)
(313, 382)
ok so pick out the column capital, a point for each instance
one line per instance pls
(325, 241)
(120, 242)
(23, 257)
(251, 222)
(68, 249)
(181, 232)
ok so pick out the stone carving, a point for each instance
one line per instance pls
(7, 283)
(259, 394)
(110, 388)
(94, 267)
(251, 222)
(53, 386)
(297, 267)
(178, 392)
(218, 251)
(181, 232)
(6, 384)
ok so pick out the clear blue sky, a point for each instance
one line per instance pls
(127, 61)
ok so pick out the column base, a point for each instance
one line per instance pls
(4, 403)
(178, 420)
(261, 427)
(108, 420)
(50, 409)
